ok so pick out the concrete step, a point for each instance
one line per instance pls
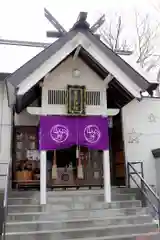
(25, 208)
(75, 214)
(65, 199)
(31, 197)
(22, 201)
(80, 223)
(92, 192)
(73, 206)
(69, 192)
(142, 236)
(85, 232)
(89, 198)
(93, 205)
(24, 194)
(94, 195)
(123, 190)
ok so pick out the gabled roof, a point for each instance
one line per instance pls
(16, 79)
(25, 70)
(134, 75)
(3, 76)
(20, 74)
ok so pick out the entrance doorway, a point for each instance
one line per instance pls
(117, 158)
(87, 171)
(66, 166)
(26, 168)
(117, 98)
(66, 157)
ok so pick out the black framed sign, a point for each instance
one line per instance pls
(76, 99)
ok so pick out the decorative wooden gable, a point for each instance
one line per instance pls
(80, 40)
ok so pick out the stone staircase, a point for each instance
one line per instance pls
(79, 215)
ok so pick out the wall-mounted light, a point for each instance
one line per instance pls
(76, 73)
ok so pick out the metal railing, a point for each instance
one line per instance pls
(146, 191)
(4, 200)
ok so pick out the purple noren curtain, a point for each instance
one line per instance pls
(58, 132)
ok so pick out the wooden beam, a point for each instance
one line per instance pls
(108, 79)
(52, 34)
(98, 24)
(112, 112)
(24, 43)
(76, 52)
(39, 111)
(54, 22)
(82, 17)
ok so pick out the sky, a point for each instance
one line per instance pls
(24, 20)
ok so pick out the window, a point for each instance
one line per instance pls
(93, 98)
(57, 97)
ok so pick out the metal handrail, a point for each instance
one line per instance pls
(4, 206)
(143, 187)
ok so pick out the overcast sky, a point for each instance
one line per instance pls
(24, 20)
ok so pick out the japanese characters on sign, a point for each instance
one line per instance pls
(76, 100)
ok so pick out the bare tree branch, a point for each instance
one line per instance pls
(119, 29)
(112, 35)
(146, 35)
(145, 38)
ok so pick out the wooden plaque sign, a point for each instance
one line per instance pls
(76, 100)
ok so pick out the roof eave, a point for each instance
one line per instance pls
(152, 87)
(142, 82)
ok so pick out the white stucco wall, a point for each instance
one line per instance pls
(62, 76)
(5, 133)
(26, 119)
(141, 130)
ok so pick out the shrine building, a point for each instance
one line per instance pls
(68, 122)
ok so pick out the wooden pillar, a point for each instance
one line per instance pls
(106, 176)
(43, 187)
(106, 158)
